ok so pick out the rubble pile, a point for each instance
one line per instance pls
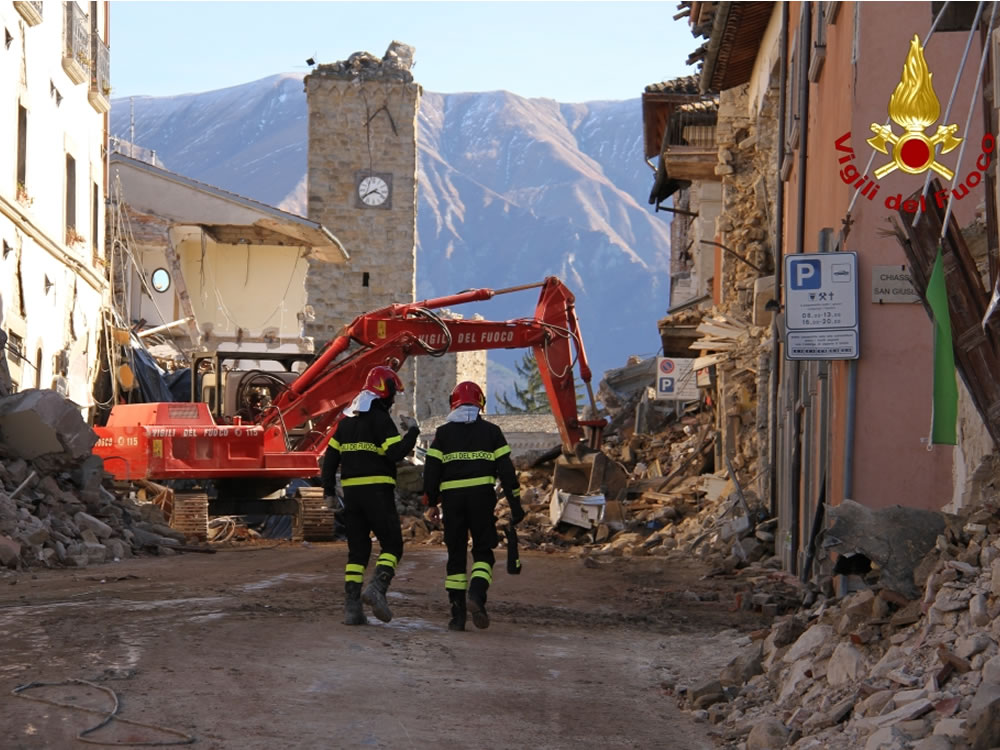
(877, 670)
(54, 508)
(364, 66)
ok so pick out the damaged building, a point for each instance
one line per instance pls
(55, 84)
(798, 88)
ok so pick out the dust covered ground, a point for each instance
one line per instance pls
(245, 649)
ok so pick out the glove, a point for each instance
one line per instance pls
(516, 514)
(408, 423)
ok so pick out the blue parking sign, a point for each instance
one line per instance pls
(806, 273)
(666, 385)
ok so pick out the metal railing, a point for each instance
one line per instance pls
(693, 125)
(100, 71)
(76, 35)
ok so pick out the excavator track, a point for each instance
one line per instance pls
(314, 521)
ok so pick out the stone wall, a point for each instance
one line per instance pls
(362, 122)
(437, 376)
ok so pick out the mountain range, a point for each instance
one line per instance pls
(510, 190)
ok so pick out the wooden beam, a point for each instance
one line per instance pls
(691, 163)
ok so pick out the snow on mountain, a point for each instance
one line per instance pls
(510, 190)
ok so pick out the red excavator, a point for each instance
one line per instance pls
(251, 432)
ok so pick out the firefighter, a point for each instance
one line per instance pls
(463, 463)
(366, 447)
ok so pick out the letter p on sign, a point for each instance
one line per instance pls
(806, 274)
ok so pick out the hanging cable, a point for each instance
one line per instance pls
(951, 99)
(871, 158)
(968, 119)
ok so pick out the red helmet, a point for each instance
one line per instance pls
(378, 381)
(467, 392)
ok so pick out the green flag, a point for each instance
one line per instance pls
(944, 411)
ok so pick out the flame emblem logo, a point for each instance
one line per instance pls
(914, 107)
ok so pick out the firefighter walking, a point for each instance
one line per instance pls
(366, 447)
(463, 463)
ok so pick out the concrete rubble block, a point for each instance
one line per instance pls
(34, 534)
(970, 645)
(96, 553)
(983, 718)
(887, 738)
(768, 734)
(847, 665)
(895, 538)
(995, 578)
(979, 610)
(912, 710)
(10, 552)
(796, 680)
(903, 697)
(38, 422)
(809, 642)
(746, 665)
(874, 703)
(991, 671)
(934, 742)
(951, 600)
(950, 727)
(85, 520)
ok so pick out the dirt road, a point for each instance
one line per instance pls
(244, 649)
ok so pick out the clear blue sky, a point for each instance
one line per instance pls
(567, 51)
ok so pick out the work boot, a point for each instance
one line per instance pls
(457, 599)
(353, 614)
(374, 593)
(477, 603)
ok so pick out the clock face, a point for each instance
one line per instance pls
(373, 191)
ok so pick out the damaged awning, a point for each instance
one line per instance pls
(227, 217)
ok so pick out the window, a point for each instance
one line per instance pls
(70, 195)
(22, 148)
(818, 56)
(95, 208)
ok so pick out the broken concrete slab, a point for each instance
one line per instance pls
(87, 521)
(746, 665)
(10, 552)
(38, 422)
(769, 734)
(809, 642)
(983, 719)
(895, 538)
(846, 665)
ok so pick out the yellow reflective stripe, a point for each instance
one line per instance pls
(457, 581)
(517, 492)
(434, 453)
(387, 559)
(389, 441)
(354, 573)
(468, 456)
(347, 447)
(355, 481)
(482, 570)
(503, 450)
(334, 444)
(455, 484)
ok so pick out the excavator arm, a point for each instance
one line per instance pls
(183, 440)
(392, 334)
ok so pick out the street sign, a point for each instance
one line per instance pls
(821, 306)
(675, 379)
(892, 285)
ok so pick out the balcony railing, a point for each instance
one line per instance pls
(30, 12)
(100, 75)
(76, 44)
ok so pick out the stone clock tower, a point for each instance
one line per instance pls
(363, 184)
